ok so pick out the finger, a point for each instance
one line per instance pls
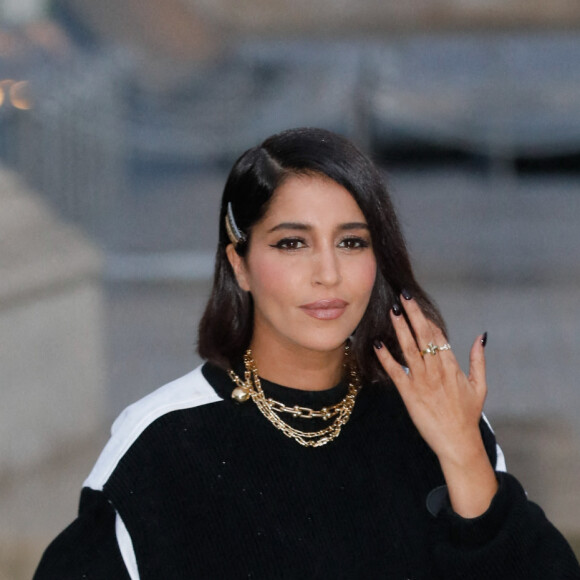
(477, 375)
(425, 338)
(436, 363)
(405, 338)
(418, 320)
(447, 356)
(392, 367)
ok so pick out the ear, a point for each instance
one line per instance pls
(239, 267)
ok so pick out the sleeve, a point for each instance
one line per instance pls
(512, 540)
(88, 549)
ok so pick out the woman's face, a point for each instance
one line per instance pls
(310, 266)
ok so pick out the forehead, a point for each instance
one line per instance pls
(312, 199)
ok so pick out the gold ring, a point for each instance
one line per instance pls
(446, 346)
(430, 349)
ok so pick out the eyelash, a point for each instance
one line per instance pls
(288, 244)
(359, 242)
(293, 244)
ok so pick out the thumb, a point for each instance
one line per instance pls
(477, 362)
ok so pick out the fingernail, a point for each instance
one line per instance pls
(397, 310)
(377, 344)
(484, 339)
(406, 294)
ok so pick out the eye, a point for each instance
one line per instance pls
(353, 243)
(289, 244)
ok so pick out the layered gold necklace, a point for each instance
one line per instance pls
(251, 387)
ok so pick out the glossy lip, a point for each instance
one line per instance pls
(325, 309)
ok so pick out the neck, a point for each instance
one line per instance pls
(299, 368)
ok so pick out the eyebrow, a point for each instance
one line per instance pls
(306, 227)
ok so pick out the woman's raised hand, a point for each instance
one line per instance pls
(445, 406)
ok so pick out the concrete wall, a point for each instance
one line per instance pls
(51, 363)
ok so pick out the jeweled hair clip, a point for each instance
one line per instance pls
(235, 235)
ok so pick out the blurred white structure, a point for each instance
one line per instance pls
(50, 314)
(21, 11)
(51, 361)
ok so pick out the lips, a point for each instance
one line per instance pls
(328, 309)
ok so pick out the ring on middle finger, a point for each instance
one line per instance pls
(430, 349)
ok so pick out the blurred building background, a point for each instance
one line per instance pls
(118, 124)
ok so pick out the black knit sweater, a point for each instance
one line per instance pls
(193, 485)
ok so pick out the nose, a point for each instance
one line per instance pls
(326, 268)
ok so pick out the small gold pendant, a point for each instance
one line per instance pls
(240, 395)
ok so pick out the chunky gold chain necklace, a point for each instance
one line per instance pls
(251, 387)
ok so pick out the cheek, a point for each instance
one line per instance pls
(272, 278)
(362, 276)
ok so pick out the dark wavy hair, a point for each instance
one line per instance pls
(225, 330)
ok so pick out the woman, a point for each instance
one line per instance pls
(331, 434)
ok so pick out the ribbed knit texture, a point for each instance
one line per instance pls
(216, 492)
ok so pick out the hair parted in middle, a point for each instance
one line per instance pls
(225, 330)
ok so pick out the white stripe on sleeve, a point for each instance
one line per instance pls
(500, 464)
(126, 547)
(189, 391)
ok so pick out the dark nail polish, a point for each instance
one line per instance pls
(484, 339)
(397, 310)
(377, 344)
(406, 294)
